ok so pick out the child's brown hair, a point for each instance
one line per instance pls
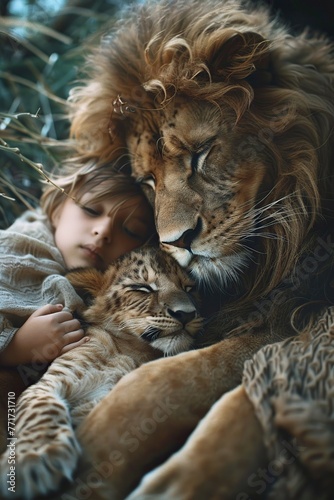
(104, 181)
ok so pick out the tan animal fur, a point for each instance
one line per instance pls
(227, 119)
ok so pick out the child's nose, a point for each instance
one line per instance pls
(104, 229)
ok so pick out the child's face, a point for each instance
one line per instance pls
(91, 235)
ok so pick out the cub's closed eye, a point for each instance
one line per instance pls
(189, 288)
(141, 288)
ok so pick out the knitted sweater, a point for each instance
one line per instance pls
(31, 273)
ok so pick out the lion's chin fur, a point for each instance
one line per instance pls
(215, 275)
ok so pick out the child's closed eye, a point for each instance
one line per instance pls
(132, 234)
(90, 211)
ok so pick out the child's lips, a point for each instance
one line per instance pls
(93, 253)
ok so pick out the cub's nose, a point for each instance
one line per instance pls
(183, 317)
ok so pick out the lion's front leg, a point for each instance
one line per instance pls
(151, 411)
(218, 459)
(148, 415)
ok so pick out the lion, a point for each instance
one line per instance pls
(226, 118)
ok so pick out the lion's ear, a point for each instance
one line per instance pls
(87, 282)
(242, 56)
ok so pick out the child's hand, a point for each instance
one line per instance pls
(47, 333)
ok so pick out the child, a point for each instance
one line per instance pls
(102, 216)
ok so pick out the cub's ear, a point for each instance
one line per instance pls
(242, 56)
(87, 282)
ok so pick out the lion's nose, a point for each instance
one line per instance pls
(187, 237)
(183, 317)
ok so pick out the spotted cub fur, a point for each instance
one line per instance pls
(143, 307)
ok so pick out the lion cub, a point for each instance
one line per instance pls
(142, 307)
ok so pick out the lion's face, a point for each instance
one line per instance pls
(205, 182)
(227, 125)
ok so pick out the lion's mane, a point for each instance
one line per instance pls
(235, 55)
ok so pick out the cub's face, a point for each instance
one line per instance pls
(203, 177)
(145, 293)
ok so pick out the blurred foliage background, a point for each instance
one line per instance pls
(42, 46)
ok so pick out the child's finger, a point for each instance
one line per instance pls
(69, 325)
(47, 309)
(73, 336)
(72, 345)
